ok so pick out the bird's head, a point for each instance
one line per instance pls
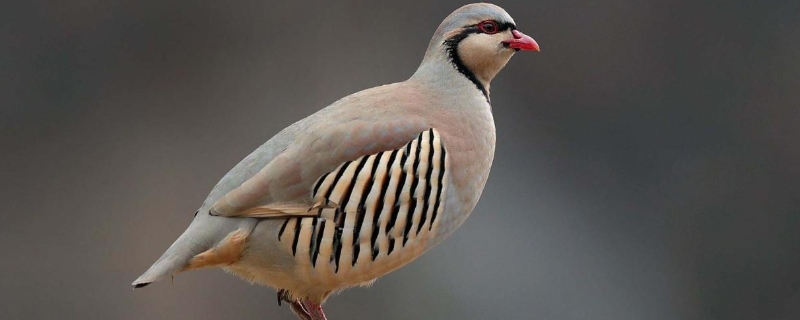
(477, 40)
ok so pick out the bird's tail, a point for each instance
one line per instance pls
(209, 241)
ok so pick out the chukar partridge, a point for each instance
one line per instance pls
(365, 185)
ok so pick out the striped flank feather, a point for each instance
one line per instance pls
(387, 202)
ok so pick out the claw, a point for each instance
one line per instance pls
(283, 296)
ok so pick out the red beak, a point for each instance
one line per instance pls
(521, 41)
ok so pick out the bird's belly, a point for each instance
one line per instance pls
(342, 258)
(313, 256)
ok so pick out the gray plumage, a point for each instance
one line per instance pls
(349, 193)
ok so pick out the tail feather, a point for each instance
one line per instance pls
(173, 260)
(204, 233)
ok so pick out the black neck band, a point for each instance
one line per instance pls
(451, 46)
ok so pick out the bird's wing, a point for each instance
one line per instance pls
(283, 187)
(385, 201)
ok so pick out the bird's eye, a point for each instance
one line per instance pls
(488, 27)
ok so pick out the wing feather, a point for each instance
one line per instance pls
(283, 187)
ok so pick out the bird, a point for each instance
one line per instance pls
(365, 185)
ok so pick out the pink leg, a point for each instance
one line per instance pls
(306, 310)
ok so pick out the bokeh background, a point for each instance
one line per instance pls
(647, 164)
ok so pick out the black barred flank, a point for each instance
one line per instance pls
(362, 211)
(412, 205)
(337, 217)
(353, 179)
(404, 156)
(392, 218)
(359, 221)
(441, 186)
(320, 234)
(296, 235)
(311, 243)
(427, 196)
(381, 201)
(396, 207)
(336, 179)
(283, 228)
(356, 250)
(319, 183)
(337, 246)
(362, 194)
(338, 238)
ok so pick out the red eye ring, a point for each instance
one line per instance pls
(488, 27)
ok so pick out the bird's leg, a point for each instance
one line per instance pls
(306, 310)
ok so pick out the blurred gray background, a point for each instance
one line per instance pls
(648, 159)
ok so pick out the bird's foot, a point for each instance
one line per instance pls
(306, 310)
(283, 296)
